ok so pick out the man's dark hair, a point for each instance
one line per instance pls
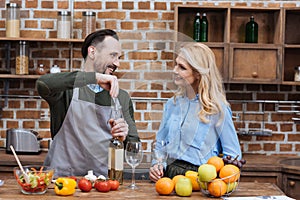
(95, 38)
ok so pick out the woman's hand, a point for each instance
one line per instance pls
(119, 128)
(109, 83)
(156, 172)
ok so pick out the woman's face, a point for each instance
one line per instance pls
(183, 74)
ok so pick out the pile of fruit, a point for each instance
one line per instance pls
(219, 176)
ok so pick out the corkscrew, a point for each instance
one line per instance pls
(116, 109)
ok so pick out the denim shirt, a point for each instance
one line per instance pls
(193, 141)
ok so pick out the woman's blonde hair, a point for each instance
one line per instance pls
(211, 92)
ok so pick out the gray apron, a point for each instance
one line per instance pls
(82, 142)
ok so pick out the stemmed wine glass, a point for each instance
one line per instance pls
(159, 152)
(133, 156)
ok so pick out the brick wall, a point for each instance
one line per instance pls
(145, 29)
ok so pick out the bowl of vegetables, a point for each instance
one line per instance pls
(34, 179)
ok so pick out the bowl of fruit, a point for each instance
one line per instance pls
(34, 179)
(219, 177)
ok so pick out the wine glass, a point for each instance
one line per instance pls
(159, 152)
(133, 156)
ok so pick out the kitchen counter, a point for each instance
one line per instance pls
(255, 163)
(146, 191)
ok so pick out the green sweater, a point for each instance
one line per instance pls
(57, 90)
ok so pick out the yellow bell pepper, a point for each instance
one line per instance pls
(65, 186)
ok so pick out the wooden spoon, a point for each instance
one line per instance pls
(19, 163)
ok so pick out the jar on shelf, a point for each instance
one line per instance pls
(55, 69)
(40, 70)
(297, 73)
(12, 20)
(64, 24)
(22, 58)
(88, 23)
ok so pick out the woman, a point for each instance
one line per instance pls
(197, 122)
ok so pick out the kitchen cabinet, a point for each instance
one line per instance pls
(291, 185)
(271, 60)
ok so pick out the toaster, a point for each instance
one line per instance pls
(23, 141)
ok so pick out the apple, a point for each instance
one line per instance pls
(184, 187)
(207, 172)
(203, 185)
(231, 186)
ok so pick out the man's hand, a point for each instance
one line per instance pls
(109, 83)
(119, 128)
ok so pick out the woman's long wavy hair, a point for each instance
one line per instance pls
(211, 90)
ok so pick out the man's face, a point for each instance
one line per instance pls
(107, 55)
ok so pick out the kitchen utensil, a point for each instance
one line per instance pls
(20, 165)
(23, 141)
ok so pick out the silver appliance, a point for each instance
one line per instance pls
(23, 141)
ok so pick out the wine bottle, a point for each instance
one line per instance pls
(116, 148)
(204, 29)
(251, 31)
(197, 21)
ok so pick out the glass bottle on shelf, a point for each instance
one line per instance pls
(297, 73)
(64, 24)
(40, 70)
(12, 20)
(251, 31)
(204, 29)
(55, 69)
(197, 23)
(88, 23)
(22, 58)
(116, 147)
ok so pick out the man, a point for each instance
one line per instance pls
(79, 103)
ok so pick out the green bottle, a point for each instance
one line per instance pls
(251, 31)
(197, 22)
(204, 29)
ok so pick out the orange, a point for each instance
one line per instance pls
(217, 187)
(217, 162)
(164, 186)
(175, 178)
(194, 179)
(229, 173)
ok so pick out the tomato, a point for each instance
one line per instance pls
(73, 177)
(85, 185)
(114, 184)
(102, 186)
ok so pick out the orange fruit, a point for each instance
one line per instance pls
(217, 187)
(229, 173)
(217, 162)
(193, 176)
(164, 186)
(175, 178)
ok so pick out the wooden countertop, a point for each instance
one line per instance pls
(255, 163)
(146, 191)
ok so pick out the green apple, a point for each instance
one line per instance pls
(203, 185)
(184, 187)
(207, 172)
(231, 186)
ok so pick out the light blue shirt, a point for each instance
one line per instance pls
(95, 87)
(193, 141)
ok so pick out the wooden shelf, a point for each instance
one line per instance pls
(272, 60)
(40, 39)
(13, 76)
